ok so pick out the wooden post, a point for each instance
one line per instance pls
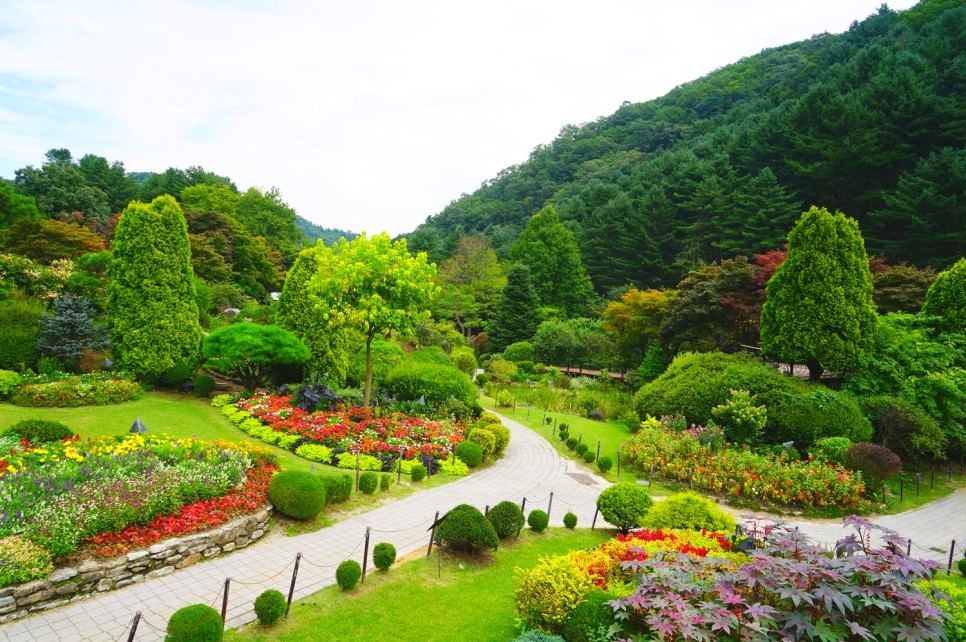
(399, 467)
(224, 601)
(432, 536)
(650, 477)
(365, 556)
(952, 551)
(918, 481)
(549, 505)
(598, 450)
(291, 588)
(134, 626)
(523, 505)
(580, 438)
(902, 488)
(618, 464)
(909, 548)
(357, 472)
(486, 511)
(594, 523)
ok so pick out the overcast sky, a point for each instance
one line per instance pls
(366, 115)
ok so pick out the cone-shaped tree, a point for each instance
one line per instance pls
(819, 309)
(946, 298)
(517, 316)
(151, 296)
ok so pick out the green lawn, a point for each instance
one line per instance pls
(930, 489)
(469, 600)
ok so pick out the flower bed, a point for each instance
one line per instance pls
(770, 480)
(94, 389)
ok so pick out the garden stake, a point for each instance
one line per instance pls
(432, 536)
(224, 601)
(952, 550)
(365, 556)
(908, 548)
(918, 480)
(594, 523)
(399, 467)
(523, 505)
(291, 589)
(932, 478)
(902, 490)
(618, 464)
(549, 505)
(598, 450)
(580, 438)
(486, 511)
(357, 472)
(554, 423)
(134, 626)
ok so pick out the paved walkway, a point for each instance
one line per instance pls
(530, 468)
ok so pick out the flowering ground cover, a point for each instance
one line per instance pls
(766, 479)
(96, 388)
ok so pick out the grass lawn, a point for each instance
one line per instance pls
(941, 485)
(469, 600)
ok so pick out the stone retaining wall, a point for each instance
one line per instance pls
(72, 584)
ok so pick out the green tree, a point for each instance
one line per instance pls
(901, 288)
(210, 198)
(117, 185)
(59, 186)
(173, 180)
(328, 342)
(471, 281)
(635, 322)
(151, 297)
(266, 215)
(248, 351)
(70, 330)
(946, 299)
(550, 251)
(517, 315)
(374, 285)
(819, 308)
(15, 207)
(48, 240)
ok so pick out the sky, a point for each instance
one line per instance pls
(369, 115)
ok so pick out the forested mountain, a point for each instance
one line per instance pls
(315, 232)
(871, 122)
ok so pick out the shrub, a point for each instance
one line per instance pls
(831, 449)
(501, 435)
(741, 419)
(571, 443)
(538, 520)
(466, 529)
(348, 574)
(688, 511)
(482, 379)
(520, 351)
(590, 456)
(955, 626)
(62, 391)
(504, 398)
(270, 606)
(368, 482)
(596, 415)
(296, 493)
(807, 417)
(466, 362)
(905, 427)
(580, 448)
(384, 556)
(605, 463)
(591, 617)
(624, 505)
(431, 354)
(385, 481)
(338, 488)
(23, 561)
(536, 635)
(435, 383)
(469, 453)
(418, 471)
(506, 518)
(21, 328)
(204, 385)
(876, 463)
(570, 520)
(485, 439)
(38, 431)
(9, 380)
(525, 367)
(548, 593)
(195, 623)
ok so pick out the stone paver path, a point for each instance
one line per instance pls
(530, 468)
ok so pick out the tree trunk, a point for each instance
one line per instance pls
(814, 371)
(368, 389)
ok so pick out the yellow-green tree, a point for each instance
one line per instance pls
(374, 285)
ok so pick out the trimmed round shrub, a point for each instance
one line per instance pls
(807, 417)
(9, 380)
(571, 443)
(204, 385)
(482, 379)
(501, 435)
(270, 606)
(435, 383)
(563, 434)
(563, 427)
(384, 556)
(506, 518)
(590, 456)
(465, 361)
(520, 351)
(906, 427)
(418, 471)
(297, 494)
(538, 520)
(38, 431)
(385, 481)
(470, 452)
(831, 449)
(961, 565)
(504, 398)
(877, 464)
(570, 520)
(591, 617)
(368, 482)
(625, 506)
(195, 623)
(485, 439)
(689, 511)
(348, 574)
(605, 463)
(536, 635)
(596, 415)
(466, 529)
(580, 448)
(431, 354)
(338, 488)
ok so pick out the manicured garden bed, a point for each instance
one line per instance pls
(66, 391)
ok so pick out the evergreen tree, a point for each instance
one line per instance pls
(151, 297)
(946, 299)
(67, 333)
(15, 207)
(517, 315)
(819, 309)
(769, 211)
(550, 251)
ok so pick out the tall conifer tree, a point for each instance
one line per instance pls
(516, 316)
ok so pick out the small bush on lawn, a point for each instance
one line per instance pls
(570, 520)
(482, 379)
(384, 556)
(470, 452)
(270, 606)
(504, 398)
(348, 574)
(9, 380)
(22, 561)
(571, 443)
(418, 471)
(297, 494)
(385, 481)
(502, 436)
(624, 505)
(831, 449)
(580, 449)
(195, 623)
(592, 617)
(520, 351)
(538, 520)
(485, 439)
(955, 626)
(596, 415)
(338, 488)
(589, 456)
(506, 518)
(536, 635)
(368, 482)
(435, 383)
(465, 362)
(204, 385)
(466, 529)
(605, 463)
(877, 464)
(689, 511)
(38, 431)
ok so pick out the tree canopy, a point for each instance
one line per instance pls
(249, 351)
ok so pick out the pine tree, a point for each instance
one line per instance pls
(70, 331)
(516, 316)
(946, 299)
(151, 296)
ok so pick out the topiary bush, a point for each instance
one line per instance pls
(368, 482)
(877, 464)
(348, 574)
(538, 520)
(624, 505)
(466, 529)
(506, 518)
(465, 361)
(570, 520)
(571, 443)
(501, 436)
(807, 417)
(591, 619)
(605, 463)
(297, 494)
(338, 488)
(831, 449)
(520, 351)
(270, 606)
(482, 379)
(504, 398)
(580, 449)
(688, 511)
(435, 383)
(485, 439)
(204, 385)
(38, 431)
(384, 556)
(418, 471)
(9, 380)
(469, 453)
(590, 456)
(195, 623)
(385, 481)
